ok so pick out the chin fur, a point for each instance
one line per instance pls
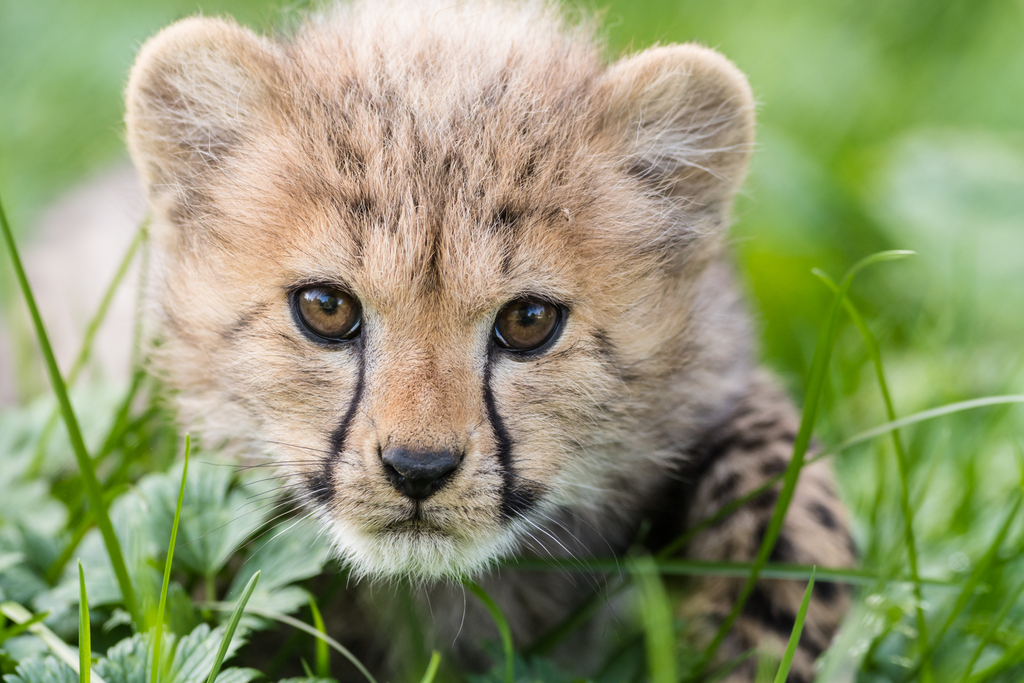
(421, 553)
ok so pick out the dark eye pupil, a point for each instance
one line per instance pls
(329, 313)
(526, 325)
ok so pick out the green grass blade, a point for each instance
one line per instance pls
(926, 415)
(902, 462)
(323, 653)
(302, 626)
(58, 647)
(87, 341)
(84, 631)
(500, 622)
(794, 637)
(990, 633)
(17, 629)
(656, 616)
(85, 465)
(305, 668)
(158, 631)
(815, 384)
(236, 617)
(435, 661)
(970, 586)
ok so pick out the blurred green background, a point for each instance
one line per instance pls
(883, 124)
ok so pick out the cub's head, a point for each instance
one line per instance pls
(444, 265)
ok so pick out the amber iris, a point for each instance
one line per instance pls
(329, 313)
(526, 325)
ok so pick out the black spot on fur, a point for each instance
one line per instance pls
(507, 218)
(826, 591)
(824, 516)
(764, 500)
(726, 488)
(784, 551)
(851, 546)
(779, 619)
(760, 608)
(773, 467)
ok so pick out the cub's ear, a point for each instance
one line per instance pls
(199, 89)
(686, 117)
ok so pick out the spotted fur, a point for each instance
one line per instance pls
(437, 161)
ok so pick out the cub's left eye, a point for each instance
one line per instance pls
(328, 313)
(526, 325)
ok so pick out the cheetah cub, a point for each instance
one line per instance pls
(468, 283)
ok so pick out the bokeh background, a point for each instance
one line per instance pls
(883, 124)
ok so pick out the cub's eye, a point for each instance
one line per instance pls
(526, 325)
(330, 314)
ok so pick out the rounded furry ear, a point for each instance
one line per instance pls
(198, 90)
(686, 114)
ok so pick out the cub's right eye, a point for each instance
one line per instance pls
(328, 314)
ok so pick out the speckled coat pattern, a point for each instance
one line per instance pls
(437, 161)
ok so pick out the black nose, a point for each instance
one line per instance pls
(418, 474)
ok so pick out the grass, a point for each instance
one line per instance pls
(658, 631)
(881, 126)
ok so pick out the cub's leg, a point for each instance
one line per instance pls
(755, 444)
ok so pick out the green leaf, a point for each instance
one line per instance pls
(44, 670)
(194, 657)
(293, 551)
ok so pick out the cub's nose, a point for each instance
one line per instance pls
(418, 474)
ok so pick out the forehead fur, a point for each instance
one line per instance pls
(415, 138)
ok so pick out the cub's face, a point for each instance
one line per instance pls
(438, 282)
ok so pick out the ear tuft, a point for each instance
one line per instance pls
(198, 89)
(686, 114)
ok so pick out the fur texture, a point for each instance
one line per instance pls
(438, 161)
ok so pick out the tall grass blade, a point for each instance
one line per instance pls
(323, 653)
(902, 462)
(158, 631)
(794, 637)
(500, 622)
(85, 465)
(815, 384)
(302, 626)
(87, 341)
(84, 631)
(656, 616)
(229, 633)
(435, 661)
